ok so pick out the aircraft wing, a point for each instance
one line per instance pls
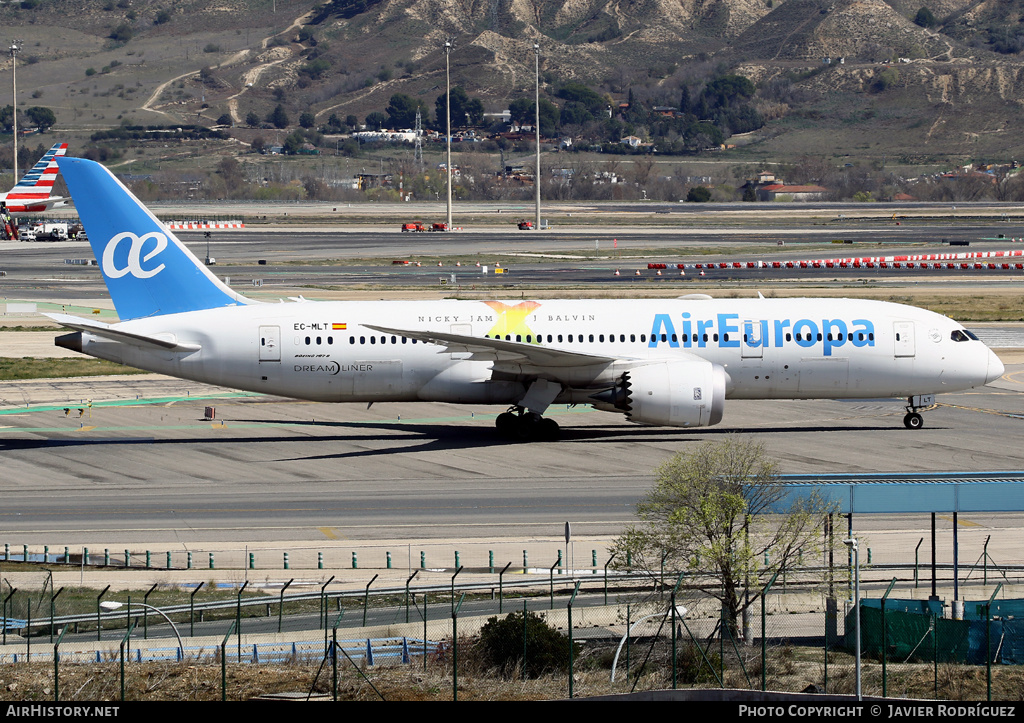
(499, 350)
(106, 331)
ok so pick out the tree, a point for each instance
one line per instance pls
(402, 109)
(465, 110)
(307, 120)
(699, 194)
(252, 119)
(925, 18)
(224, 119)
(294, 142)
(278, 118)
(718, 511)
(376, 120)
(42, 118)
(521, 111)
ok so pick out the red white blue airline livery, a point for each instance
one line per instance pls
(670, 362)
(32, 193)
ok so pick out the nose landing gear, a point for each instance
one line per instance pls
(913, 419)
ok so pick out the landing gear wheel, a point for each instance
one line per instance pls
(549, 430)
(524, 426)
(528, 427)
(506, 422)
(913, 420)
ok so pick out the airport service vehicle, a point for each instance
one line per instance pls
(671, 362)
(32, 193)
(438, 227)
(51, 231)
(525, 225)
(413, 227)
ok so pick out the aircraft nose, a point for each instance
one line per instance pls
(995, 368)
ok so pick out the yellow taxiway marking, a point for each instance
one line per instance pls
(962, 523)
(328, 532)
(85, 429)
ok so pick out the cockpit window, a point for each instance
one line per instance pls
(962, 335)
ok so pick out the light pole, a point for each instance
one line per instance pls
(853, 545)
(14, 103)
(111, 605)
(536, 129)
(448, 124)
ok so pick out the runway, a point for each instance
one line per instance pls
(142, 465)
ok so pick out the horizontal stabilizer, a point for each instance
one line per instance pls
(106, 331)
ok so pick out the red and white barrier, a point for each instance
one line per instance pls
(199, 226)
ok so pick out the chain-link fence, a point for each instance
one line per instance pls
(513, 633)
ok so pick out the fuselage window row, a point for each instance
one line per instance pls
(957, 335)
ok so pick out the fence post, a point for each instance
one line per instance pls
(675, 656)
(885, 642)
(988, 642)
(324, 607)
(606, 577)
(99, 598)
(501, 585)
(280, 604)
(764, 633)
(56, 659)
(145, 612)
(124, 640)
(192, 609)
(522, 668)
(334, 663)
(414, 574)
(238, 620)
(224, 658)
(366, 598)
(455, 647)
(53, 610)
(10, 599)
(572, 661)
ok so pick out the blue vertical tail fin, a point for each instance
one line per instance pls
(148, 271)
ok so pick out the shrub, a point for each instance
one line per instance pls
(501, 644)
(693, 668)
(698, 194)
(122, 33)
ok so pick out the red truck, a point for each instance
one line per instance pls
(413, 227)
(525, 225)
(439, 227)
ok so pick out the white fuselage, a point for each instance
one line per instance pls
(769, 348)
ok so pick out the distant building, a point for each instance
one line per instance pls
(773, 191)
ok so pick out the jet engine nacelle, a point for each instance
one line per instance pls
(675, 394)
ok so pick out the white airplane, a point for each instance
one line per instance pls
(32, 193)
(667, 362)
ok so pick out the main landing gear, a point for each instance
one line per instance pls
(522, 425)
(913, 419)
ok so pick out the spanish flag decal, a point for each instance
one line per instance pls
(339, 327)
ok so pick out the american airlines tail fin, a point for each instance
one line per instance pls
(32, 192)
(148, 271)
